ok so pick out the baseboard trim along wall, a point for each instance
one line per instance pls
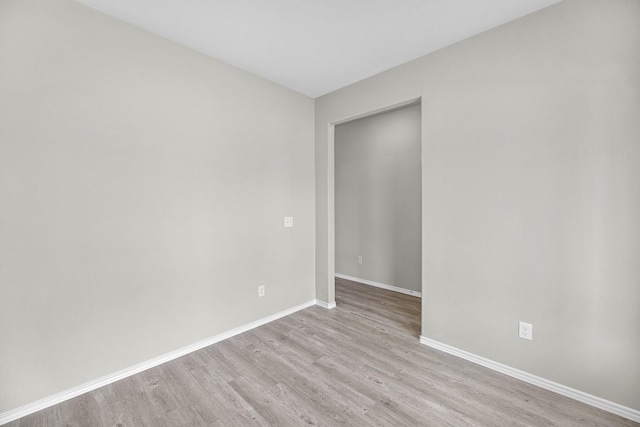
(563, 390)
(380, 285)
(38, 405)
(327, 305)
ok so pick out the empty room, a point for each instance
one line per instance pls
(333, 213)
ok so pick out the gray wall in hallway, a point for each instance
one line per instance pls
(378, 198)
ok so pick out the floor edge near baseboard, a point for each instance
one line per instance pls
(598, 402)
(46, 402)
(380, 285)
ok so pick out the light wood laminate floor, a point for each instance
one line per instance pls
(359, 364)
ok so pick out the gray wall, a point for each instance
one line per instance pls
(530, 188)
(377, 198)
(143, 188)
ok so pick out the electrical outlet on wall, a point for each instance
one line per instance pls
(261, 290)
(525, 330)
(288, 221)
(359, 259)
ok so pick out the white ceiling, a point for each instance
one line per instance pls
(317, 46)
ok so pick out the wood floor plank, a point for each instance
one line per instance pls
(359, 364)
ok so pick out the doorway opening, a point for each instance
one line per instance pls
(378, 208)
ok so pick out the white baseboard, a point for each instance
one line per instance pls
(380, 285)
(563, 390)
(327, 305)
(38, 405)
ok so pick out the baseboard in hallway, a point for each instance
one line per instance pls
(380, 285)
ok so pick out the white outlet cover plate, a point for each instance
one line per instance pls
(288, 221)
(525, 330)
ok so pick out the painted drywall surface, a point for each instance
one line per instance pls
(531, 191)
(378, 198)
(143, 188)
